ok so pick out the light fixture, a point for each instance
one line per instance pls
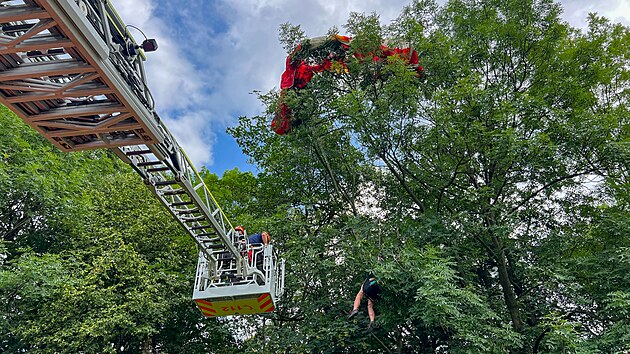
(148, 45)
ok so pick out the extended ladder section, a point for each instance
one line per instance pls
(72, 71)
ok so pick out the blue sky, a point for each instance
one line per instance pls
(213, 53)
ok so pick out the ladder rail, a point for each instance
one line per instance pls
(182, 174)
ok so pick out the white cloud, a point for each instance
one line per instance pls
(137, 10)
(621, 13)
(576, 11)
(174, 82)
(194, 129)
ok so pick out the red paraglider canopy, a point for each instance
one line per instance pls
(298, 72)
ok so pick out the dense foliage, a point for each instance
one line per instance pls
(491, 197)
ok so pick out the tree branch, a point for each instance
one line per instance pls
(326, 164)
(402, 182)
(551, 183)
(539, 340)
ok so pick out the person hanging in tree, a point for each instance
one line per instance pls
(372, 290)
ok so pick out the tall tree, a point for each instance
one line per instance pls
(498, 157)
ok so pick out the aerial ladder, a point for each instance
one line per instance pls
(71, 70)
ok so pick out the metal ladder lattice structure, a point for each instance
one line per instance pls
(71, 70)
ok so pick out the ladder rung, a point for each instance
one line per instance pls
(189, 211)
(198, 218)
(158, 169)
(205, 234)
(181, 204)
(137, 152)
(149, 163)
(201, 227)
(166, 183)
(21, 14)
(175, 192)
(215, 246)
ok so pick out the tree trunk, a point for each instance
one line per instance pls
(147, 346)
(508, 291)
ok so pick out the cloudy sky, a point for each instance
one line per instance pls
(214, 53)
